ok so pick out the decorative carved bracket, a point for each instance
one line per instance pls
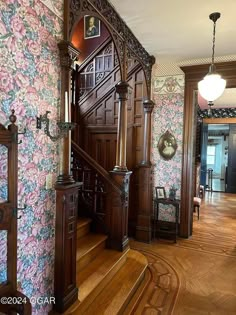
(123, 37)
(68, 54)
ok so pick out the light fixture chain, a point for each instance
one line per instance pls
(213, 46)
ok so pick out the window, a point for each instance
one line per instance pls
(211, 152)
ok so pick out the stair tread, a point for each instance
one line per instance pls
(135, 301)
(86, 243)
(96, 271)
(121, 288)
(83, 221)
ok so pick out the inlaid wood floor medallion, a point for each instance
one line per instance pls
(196, 276)
(162, 288)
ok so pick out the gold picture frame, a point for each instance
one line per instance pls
(92, 27)
(167, 146)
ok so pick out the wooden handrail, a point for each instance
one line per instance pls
(105, 174)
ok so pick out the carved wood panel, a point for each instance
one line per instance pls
(66, 291)
(104, 112)
(103, 148)
(97, 69)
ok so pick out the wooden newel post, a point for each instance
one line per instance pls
(120, 201)
(65, 288)
(118, 238)
(148, 106)
(143, 227)
(122, 91)
(68, 54)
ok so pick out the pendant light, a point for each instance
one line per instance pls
(212, 86)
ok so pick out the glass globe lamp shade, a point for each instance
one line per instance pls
(211, 87)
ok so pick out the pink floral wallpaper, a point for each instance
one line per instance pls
(168, 95)
(29, 83)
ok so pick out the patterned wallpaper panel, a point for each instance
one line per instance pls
(168, 95)
(29, 83)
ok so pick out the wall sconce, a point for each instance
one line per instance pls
(212, 86)
(63, 127)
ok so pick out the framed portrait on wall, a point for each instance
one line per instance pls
(167, 145)
(92, 27)
(160, 192)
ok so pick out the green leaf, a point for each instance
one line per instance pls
(5, 36)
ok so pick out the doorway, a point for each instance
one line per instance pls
(215, 163)
(193, 74)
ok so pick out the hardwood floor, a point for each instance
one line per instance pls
(196, 276)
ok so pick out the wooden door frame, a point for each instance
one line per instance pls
(193, 74)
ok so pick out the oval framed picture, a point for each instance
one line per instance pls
(167, 145)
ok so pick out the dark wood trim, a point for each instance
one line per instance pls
(96, 166)
(8, 221)
(102, 128)
(219, 120)
(193, 74)
(93, 54)
(97, 103)
(65, 288)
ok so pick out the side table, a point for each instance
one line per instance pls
(164, 227)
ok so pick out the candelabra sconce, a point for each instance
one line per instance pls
(63, 127)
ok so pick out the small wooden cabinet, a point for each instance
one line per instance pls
(164, 228)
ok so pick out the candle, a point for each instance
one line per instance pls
(66, 107)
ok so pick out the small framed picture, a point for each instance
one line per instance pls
(160, 192)
(92, 26)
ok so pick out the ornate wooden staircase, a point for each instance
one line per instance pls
(107, 279)
(95, 270)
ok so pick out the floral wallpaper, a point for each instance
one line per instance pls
(29, 83)
(168, 95)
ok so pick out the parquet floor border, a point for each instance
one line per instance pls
(163, 287)
(196, 276)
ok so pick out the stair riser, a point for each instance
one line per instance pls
(89, 299)
(88, 257)
(134, 301)
(131, 294)
(83, 230)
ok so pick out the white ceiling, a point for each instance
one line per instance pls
(180, 30)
